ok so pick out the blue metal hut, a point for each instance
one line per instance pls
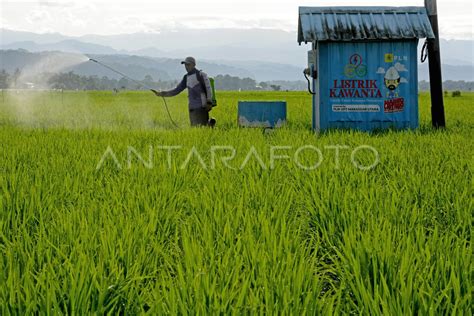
(363, 65)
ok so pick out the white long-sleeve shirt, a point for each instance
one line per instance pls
(196, 93)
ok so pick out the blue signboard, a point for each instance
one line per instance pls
(367, 85)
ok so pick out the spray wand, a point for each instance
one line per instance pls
(138, 83)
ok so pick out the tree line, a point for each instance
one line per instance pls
(449, 85)
(72, 81)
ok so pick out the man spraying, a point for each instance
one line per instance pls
(199, 94)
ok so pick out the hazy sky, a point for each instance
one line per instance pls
(74, 17)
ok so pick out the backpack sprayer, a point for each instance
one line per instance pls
(213, 89)
(138, 83)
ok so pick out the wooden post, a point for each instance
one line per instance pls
(434, 57)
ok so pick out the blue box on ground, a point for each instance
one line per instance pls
(261, 113)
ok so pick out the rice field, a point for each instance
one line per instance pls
(107, 208)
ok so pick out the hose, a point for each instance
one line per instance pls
(309, 83)
(424, 53)
(138, 83)
(168, 111)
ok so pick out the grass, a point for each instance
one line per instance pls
(78, 239)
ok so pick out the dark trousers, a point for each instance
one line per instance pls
(199, 117)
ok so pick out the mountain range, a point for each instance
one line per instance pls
(260, 54)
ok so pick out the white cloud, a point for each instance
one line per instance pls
(79, 17)
(381, 70)
(55, 4)
(403, 80)
(38, 16)
(400, 67)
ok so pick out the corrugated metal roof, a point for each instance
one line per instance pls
(362, 23)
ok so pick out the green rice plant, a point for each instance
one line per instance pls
(152, 236)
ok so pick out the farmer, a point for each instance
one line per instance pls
(199, 94)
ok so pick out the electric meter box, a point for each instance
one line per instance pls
(366, 62)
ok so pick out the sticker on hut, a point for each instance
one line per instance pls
(354, 85)
(355, 67)
(392, 80)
